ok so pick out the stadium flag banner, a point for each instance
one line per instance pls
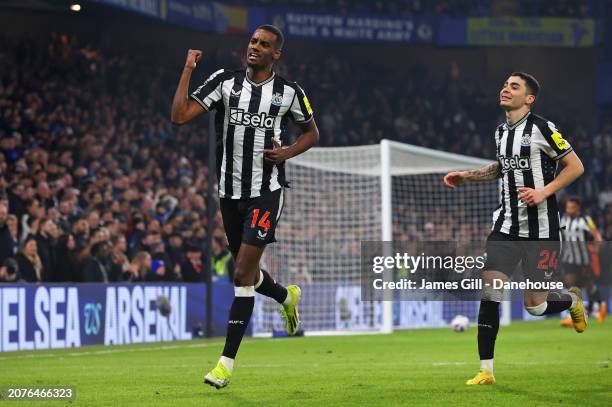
(549, 32)
(346, 27)
(65, 316)
(206, 16)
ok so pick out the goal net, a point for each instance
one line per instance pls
(342, 196)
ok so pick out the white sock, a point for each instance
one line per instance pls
(261, 279)
(227, 362)
(487, 364)
(288, 299)
(574, 299)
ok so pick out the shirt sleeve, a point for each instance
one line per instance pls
(300, 109)
(210, 91)
(556, 146)
(590, 223)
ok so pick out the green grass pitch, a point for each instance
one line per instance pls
(537, 364)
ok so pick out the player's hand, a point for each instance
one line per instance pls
(277, 155)
(453, 179)
(530, 196)
(193, 56)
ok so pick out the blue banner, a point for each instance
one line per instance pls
(65, 316)
(346, 27)
(148, 7)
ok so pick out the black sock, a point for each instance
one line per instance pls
(594, 297)
(557, 302)
(488, 326)
(270, 288)
(239, 316)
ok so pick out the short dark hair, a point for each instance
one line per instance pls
(533, 86)
(280, 38)
(575, 200)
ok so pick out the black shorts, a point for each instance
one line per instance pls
(538, 258)
(252, 220)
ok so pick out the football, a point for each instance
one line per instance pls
(460, 323)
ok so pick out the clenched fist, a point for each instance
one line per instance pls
(193, 56)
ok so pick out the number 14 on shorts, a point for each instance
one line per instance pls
(264, 221)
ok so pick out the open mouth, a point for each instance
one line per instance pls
(252, 56)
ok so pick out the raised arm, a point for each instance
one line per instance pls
(487, 173)
(184, 108)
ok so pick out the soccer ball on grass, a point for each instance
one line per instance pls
(460, 323)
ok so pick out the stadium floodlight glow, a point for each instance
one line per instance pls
(75, 7)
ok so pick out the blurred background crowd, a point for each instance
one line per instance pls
(96, 185)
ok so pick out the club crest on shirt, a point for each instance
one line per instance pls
(277, 99)
(526, 139)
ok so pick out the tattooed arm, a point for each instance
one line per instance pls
(488, 173)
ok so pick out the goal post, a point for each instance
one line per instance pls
(340, 196)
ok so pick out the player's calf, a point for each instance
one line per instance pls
(553, 303)
(267, 286)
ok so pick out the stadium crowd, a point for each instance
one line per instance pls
(97, 185)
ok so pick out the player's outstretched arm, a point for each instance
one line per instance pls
(572, 169)
(488, 173)
(184, 108)
(309, 138)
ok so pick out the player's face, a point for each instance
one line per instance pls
(514, 94)
(262, 51)
(572, 208)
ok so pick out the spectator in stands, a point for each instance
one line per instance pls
(67, 264)
(140, 266)
(9, 271)
(30, 266)
(158, 271)
(95, 269)
(6, 243)
(192, 269)
(175, 249)
(46, 240)
(13, 227)
(222, 262)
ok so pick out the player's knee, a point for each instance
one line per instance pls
(242, 277)
(534, 308)
(492, 294)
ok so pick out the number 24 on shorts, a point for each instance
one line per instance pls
(548, 259)
(264, 221)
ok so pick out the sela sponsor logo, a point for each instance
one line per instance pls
(257, 120)
(514, 162)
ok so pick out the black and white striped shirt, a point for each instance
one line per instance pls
(249, 115)
(528, 152)
(576, 232)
